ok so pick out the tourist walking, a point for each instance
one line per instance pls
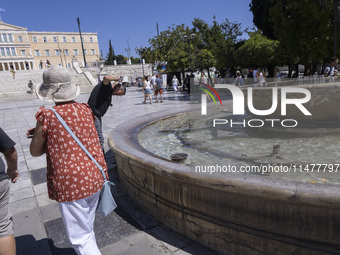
(147, 89)
(239, 81)
(7, 241)
(277, 75)
(331, 71)
(73, 179)
(261, 77)
(175, 83)
(99, 101)
(30, 85)
(12, 71)
(159, 88)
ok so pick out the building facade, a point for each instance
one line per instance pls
(23, 50)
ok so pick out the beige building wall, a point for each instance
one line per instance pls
(15, 50)
(22, 50)
(61, 48)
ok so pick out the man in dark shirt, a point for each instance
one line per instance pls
(7, 241)
(99, 101)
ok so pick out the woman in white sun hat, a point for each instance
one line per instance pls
(73, 180)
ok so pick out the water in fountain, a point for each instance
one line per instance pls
(303, 155)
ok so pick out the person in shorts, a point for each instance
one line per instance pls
(147, 89)
(158, 89)
(7, 241)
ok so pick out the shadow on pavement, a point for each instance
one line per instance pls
(27, 245)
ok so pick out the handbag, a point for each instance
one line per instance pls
(106, 203)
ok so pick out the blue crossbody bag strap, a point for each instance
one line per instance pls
(79, 142)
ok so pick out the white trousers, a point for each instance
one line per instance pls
(78, 217)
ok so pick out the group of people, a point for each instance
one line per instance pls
(154, 83)
(73, 179)
(47, 64)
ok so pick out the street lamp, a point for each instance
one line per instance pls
(140, 51)
(128, 49)
(187, 38)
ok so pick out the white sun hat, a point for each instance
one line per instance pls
(57, 86)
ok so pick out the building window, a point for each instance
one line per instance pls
(45, 39)
(47, 53)
(34, 38)
(8, 51)
(73, 39)
(57, 52)
(82, 38)
(68, 65)
(93, 52)
(20, 39)
(75, 52)
(55, 39)
(37, 53)
(66, 53)
(10, 38)
(5, 37)
(23, 52)
(13, 51)
(85, 52)
(91, 39)
(3, 52)
(64, 39)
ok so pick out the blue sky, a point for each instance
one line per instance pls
(120, 20)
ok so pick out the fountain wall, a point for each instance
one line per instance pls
(237, 214)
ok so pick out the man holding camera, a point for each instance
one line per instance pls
(100, 100)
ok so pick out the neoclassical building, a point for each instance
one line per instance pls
(21, 49)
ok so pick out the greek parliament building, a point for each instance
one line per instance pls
(23, 50)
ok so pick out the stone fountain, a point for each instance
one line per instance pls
(234, 214)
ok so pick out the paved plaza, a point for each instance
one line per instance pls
(38, 225)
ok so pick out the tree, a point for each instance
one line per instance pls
(121, 60)
(110, 56)
(304, 28)
(204, 59)
(170, 47)
(134, 60)
(220, 40)
(262, 18)
(258, 51)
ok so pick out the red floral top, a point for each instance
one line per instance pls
(71, 174)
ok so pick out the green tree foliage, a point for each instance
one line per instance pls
(261, 16)
(135, 60)
(121, 60)
(110, 56)
(220, 40)
(303, 28)
(204, 59)
(258, 51)
(169, 47)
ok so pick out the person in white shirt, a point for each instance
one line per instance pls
(147, 89)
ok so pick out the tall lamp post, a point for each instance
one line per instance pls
(128, 49)
(187, 38)
(140, 51)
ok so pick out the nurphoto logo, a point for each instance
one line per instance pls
(239, 105)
